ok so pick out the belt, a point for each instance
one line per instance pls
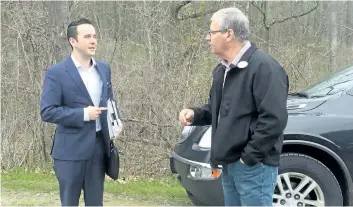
(99, 133)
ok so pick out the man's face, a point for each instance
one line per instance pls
(216, 39)
(86, 42)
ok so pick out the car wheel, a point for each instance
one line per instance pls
(194, 200)
(305, 181)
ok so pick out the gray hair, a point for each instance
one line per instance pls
(233, 18)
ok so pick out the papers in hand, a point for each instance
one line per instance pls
(115, 125)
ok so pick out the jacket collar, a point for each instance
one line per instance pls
(244, 60)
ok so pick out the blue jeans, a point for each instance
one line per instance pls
(245, 185)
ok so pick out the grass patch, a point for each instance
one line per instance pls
(21, 179)
(140, 191)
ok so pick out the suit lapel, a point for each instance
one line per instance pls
(75, 75)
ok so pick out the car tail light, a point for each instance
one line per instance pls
(216, 173)
(204, 173)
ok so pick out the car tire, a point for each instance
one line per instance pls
(194, 200)
(300, 164)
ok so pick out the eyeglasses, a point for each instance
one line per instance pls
(213, 32)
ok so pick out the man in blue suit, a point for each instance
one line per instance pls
(74, 97)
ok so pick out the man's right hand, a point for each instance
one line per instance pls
(186, 116)
(95, 112)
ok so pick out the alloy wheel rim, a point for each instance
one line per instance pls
(297, 189)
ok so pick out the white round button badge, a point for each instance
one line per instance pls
(242, 64)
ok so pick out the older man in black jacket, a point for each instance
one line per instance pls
(247, 110)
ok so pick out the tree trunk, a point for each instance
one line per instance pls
(349, 23)
(266, 30)
(58, 19)
(333, 36)
(247, 9)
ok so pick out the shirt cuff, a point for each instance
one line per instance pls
(85, 115)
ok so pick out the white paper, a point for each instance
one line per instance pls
(115, 126)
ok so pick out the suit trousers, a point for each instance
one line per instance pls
(87, 175)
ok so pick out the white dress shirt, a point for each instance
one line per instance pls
(93, 83)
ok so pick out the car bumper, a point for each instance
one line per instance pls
(208, 191)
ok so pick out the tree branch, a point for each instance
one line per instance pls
(344, 26)
(294, 66)
(295, 16)
(263, 14)
(258, 8)
(200, 14)
(178, 7)
(338, 43)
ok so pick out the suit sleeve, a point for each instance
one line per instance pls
(270, 89)
(51, 109)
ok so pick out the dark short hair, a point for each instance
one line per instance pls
(72, 28)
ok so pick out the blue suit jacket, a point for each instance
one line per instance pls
(63, 98)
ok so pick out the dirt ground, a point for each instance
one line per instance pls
(14, 198)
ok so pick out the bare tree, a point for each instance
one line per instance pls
(160, 64)
(267, 24)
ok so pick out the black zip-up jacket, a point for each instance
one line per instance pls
(253, 111)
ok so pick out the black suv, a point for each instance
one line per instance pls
(317, 158)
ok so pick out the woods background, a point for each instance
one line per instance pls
(160, 63)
